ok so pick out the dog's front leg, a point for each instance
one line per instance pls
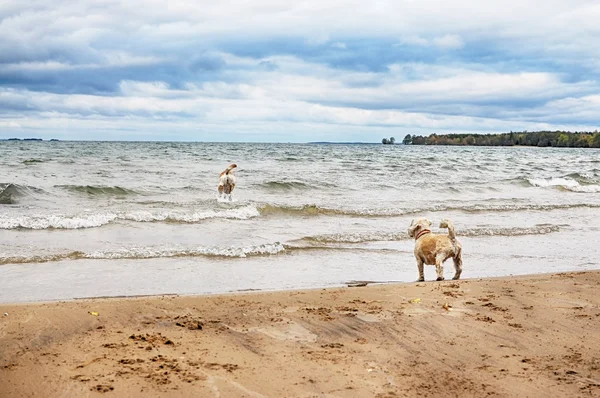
(421, 270)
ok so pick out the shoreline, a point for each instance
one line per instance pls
(502, 336)
(345, 285)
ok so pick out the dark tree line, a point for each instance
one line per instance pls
(534, 138)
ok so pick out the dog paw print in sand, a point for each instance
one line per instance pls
(484, 318)
(102, 388)
(189, 322)
(151, 340)
(323, 313)
(159, 369)
(229, 367)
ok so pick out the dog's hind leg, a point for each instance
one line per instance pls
(421, 270)
(439, 267)
(457, 265)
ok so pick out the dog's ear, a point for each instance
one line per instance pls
(428, 223)
(413, 227)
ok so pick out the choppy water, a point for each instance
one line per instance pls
(82, 219)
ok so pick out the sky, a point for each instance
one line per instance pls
(301, 71)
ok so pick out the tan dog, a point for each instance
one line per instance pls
(432, 249)
(227, 182)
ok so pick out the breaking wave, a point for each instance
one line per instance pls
(397, 236)
(57, 221)
(568, 183)
(318, 242)
(98, 220)
(314, 210)
(514, 231)
(356, 237)
(140, 253)
(11, 193)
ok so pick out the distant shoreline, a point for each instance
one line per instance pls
(27, 139)
(558, 139)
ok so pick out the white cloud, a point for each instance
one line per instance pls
(117, 59)
(414, 40)
(315, 20)
(449, 41)
(10, 124)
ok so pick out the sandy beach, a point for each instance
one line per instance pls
(515, 336)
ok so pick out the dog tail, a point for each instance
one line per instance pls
(228, 170)
(448, 224)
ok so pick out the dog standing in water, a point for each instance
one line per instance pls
(227, 182)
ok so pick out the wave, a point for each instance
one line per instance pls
(33, 161)
(10, 193)
(141, 253)
(542, 229)
(314, 210)
(553, 182)
(239, 213)
(567, 183)
(100, 219)
(98, 190)
(356, 237)
(319, 242)
(57, 221)
(365, 237)
(91, 220)
(582, 177)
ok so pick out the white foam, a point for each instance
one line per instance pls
(240, 213)
(61, 221)
(554, 182)
(585, 188)
(157, 252)
(564, 182)
(57, 221)
(226, 198)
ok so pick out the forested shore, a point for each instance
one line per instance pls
(534, 138)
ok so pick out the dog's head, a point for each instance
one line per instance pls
(417, 225)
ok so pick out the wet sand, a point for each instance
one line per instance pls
(515, 336)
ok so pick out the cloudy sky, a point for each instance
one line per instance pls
(279, 71)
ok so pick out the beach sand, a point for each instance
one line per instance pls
(530, 336)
